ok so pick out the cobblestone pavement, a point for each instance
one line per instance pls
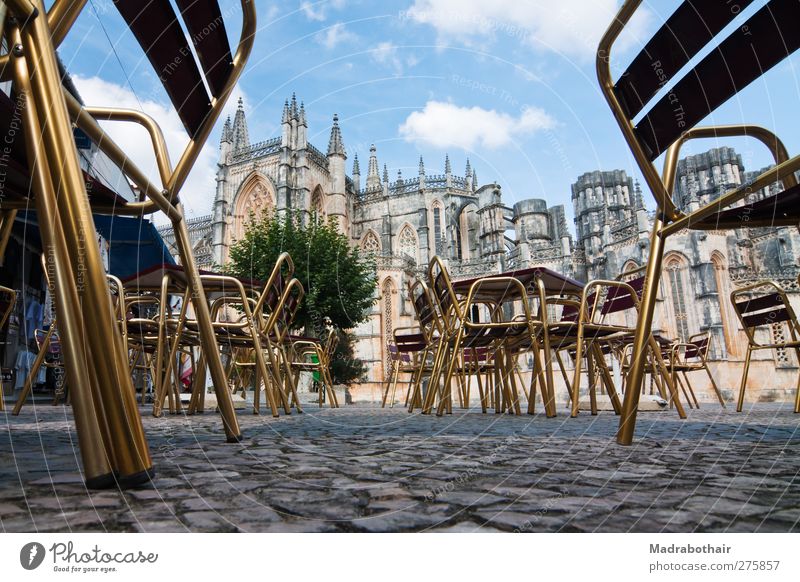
(367, 469)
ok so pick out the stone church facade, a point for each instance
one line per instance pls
(404, 221)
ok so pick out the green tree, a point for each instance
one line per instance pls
(338, 280)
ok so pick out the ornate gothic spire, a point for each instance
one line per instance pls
(301, 116)
(294, 111)
(240, 136)
(373, 178)
(421, 166)
(335, 143)
(385, 174)
(468, 172)
(287, 114)
(637, 189)
(356, 166)
(227, 134)
(399, 177)
(447, 168)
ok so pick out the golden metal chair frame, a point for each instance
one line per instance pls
(758, 305)
(662, 64)
(113, 447)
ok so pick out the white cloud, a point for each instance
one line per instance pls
(197, 194)
(318, 11)
(387, 54)
(572, 27)
(444, 124)
(335, 35)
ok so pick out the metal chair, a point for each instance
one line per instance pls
(667, 120)
(113, 446)
(308, 354)
(503, 335)
(760, 307)
(412, 351)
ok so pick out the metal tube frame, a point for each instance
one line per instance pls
(668, 218)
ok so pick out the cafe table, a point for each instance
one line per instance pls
(499, 292)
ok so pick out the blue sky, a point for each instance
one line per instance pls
(509, 84)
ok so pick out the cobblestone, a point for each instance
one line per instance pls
(366, 469)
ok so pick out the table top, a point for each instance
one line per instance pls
(554, 283)
(150, 280)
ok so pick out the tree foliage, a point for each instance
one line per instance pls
(338, 280)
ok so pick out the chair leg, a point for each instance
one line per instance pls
(691, 390)
(433, 382)
(447, 395)
(740, 403)
(394, 384)
(515, 407)
(679, 383)
(576, 377)
(714, 385)
(290, 380)
(550, 400)
(661, 367)
(590, 370)
(37, 363)
(608, 381)
(630, 405)
(389, 381)
(96, 452)
(197, 403)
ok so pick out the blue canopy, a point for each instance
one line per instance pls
(134, 244)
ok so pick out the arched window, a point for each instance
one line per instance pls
(629, 266)
(318, 204)
(679, 291)
(256, 198)
(407, 243)
(370, 243)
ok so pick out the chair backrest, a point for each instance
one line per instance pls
(698, 347)
(763, 304)
(443, 293)
(157, 28)
(282, 318)
(275, 285)
(745, 54)
(424, 308)
(621, 299)
(478, 356)
(674, 83)
(330, 343)
(396, 355)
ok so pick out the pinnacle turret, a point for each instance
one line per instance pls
(421, 166)
(227, 133)
(240, 137)
(287, 114)
(335, 143)
(373, 177)
(447, 168)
